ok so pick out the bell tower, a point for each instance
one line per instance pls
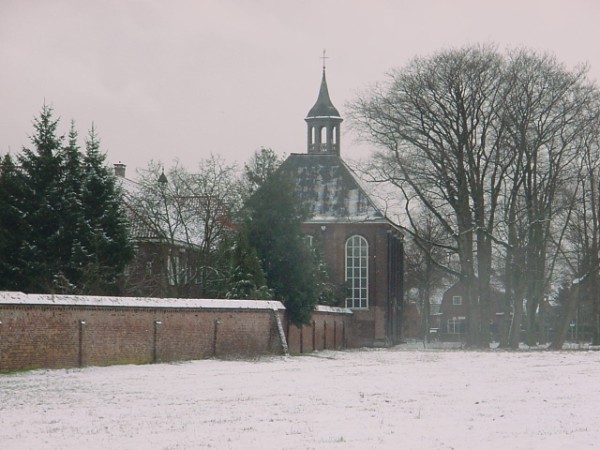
(323, 121)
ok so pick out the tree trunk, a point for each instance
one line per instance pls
(516, 321)
(566, 317)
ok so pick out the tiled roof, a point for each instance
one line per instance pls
(329, 189)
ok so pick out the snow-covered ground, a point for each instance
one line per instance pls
(395, 398)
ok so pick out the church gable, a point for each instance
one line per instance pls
(329, 190)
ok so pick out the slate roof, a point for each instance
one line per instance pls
(329, 189)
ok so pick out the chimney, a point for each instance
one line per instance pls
(120, 169)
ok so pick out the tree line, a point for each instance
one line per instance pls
(494, 157)
(493, 160)
(62, 227)
(67, 225)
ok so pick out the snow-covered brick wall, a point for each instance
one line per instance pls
(20, 298)
(59, 331)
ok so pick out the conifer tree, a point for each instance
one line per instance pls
(70, 249)
(40, 177)
(106, 236)
(274, 229)
(13, 227)
(247, 280)
(61, 225)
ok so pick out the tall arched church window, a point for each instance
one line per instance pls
(357, 273)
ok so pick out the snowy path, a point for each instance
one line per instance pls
(356, 399)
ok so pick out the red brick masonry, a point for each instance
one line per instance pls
(59, 331)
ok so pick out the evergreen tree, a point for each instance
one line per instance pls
(274, 229)
(106, 233)
(262, 165)
(61, 225)
(41, 177)
(13, 227)
(247, 280)
(330, 294)
(70, 250)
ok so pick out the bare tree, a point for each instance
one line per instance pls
(187, 215)
(487, 144)
(438, 120)
(546, 119)
(425, 254)
(580, 249)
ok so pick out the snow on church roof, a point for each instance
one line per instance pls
(330, 190)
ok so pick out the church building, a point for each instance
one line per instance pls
(363, 250)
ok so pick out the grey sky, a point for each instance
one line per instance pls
(184, 78)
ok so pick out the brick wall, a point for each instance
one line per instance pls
(329, 329)
(38, 331)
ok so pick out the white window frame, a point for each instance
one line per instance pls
(457, 300)
(357, 272)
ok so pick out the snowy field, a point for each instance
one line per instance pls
(332, 400)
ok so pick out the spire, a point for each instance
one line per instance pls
(323, 107)
(323, 122)
(162, 179)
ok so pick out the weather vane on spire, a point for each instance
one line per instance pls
(324, 58)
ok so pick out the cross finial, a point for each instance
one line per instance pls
(324, 58)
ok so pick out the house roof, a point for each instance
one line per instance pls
(154, 228)
(329, 189)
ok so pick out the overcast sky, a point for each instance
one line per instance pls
(181, 79)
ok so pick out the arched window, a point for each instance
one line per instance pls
(357, 273)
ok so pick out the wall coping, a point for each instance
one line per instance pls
(21, 298)
(333, 309)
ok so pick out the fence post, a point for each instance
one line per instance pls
(80, 344)
(157, 323)
(324, 335)
(216, 330)
(334, 334)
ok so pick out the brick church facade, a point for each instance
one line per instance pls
(363, 250)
